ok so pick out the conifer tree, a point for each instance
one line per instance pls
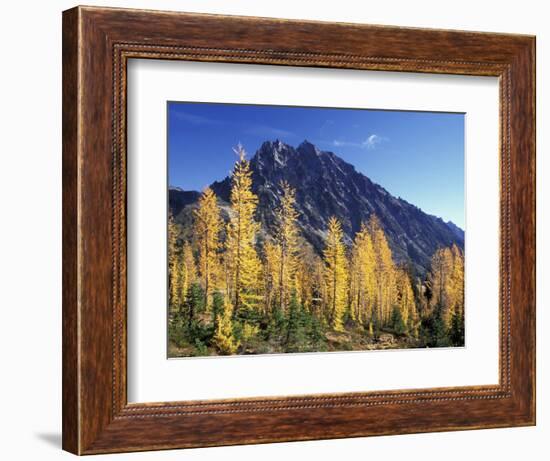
(406, 302)
(456, 334)
(384, 272)
(243, 263)
(295, 333)
(287, 242)
(439, 333)
(397, 322)
(440, 280)
(193, 303)
(319, 298)
(362, 277)
(207, 231)
(457, 282)
(336, 274)
(174, 268)
(188, 270)
(306, 280)
(224, 338)
(218, 306)
(271, 274)
(291, 297)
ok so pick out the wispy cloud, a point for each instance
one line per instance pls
(372, 141)
(250, 129)
(340, 143)
(369, 143)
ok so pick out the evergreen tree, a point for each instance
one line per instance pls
(224, 338)
(217, 307)
(296, 335)
(194, 303)
(397, 321)
(276, 326)
(316, 335)
(456, 335)
(439, 334)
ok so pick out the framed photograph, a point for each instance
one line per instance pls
(284, 230)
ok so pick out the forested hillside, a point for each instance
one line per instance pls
(252, 275)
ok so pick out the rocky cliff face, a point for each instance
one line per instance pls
(326, 185)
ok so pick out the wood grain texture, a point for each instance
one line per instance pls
(70, 383)
(97, 42)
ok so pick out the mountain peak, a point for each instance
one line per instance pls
(279, 150)
(273, 154)
(276, 144)
(326, 186)
(306, 144)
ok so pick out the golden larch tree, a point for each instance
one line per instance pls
(441, 283)
(384, 272)
(362, 276)
(174, 269)
(457, 281)
(207, 229)
(188, 270)
(406, 302)
(305, 279)
(271, 266)
(286, 235)
(319, 298)
(224, 339)
(456, 332)
(336, 274)
(242, 262)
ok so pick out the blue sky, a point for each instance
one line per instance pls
(418, 156)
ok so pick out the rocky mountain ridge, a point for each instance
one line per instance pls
(326, 185)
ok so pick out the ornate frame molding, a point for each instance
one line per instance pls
(97, 45)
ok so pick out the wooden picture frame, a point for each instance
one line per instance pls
(97, 43)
